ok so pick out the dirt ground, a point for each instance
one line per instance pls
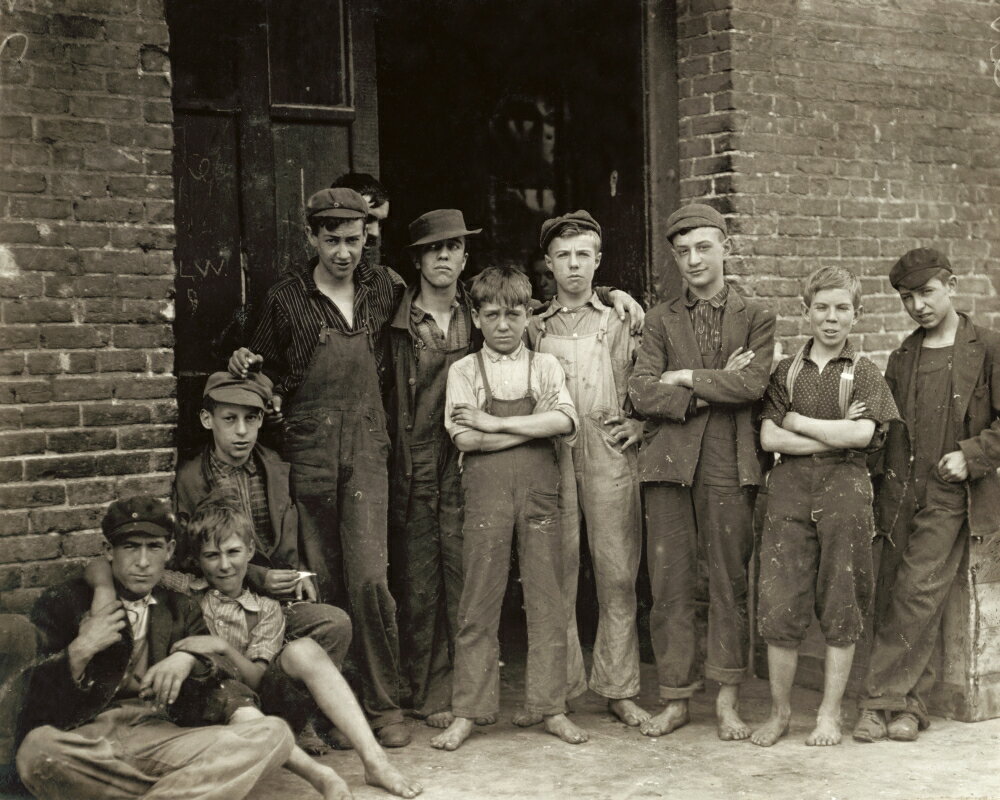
(951, 760)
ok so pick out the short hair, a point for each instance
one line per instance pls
(217, 517)
(363, 183)
(568, 229)
(832, 278)
(330, 224)
(505, 286)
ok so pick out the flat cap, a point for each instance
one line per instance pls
(140, 514)
(917, 267)
(438, 225)
(695, 215)
(254, 390)
(339, 202)
(552, 227)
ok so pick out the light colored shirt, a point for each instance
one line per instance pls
(137, 612)
(508, 378)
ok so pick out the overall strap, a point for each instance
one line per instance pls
(602, 329)
(486, 382)
(793, 372)
(847, 385)
(531, 358)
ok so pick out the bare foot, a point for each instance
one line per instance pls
(333, 787)
(383, 774)
(731, 727)
(826, 733)
(489, 719)
(628, 711)
(525, 719)
(442, 719)
(559, 725)
(454, 735)
(674, 715)
(772, 730)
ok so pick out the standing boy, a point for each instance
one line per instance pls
(321, 339)
(939, 485)
(503, 406)
(703, 365)
(822, 410)
(599, 471)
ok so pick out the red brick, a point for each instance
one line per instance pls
(156, 485)
(80, 286)
(76, 27)
(108, 210)
(47, 573)
(19, 601)
(142, 336)
(17, 390)
(12, 363)
(80, 493)
(68, 337)
(147, 388)
(29, 548)
(21, 443)
(121, 463)
(44, 363)
(40, 208)
(113, 159)
(76, 235)
(22, 182)
(122, 361)
(37, 310)
(140, 438)
(75, 545)
(82, 388)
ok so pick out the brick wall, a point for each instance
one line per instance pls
(845, 132)
(87, 406)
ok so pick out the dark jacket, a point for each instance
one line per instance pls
(55, 698)
(672, 441)
(975, 414)
(192, 485)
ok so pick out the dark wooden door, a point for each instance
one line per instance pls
(272, 99)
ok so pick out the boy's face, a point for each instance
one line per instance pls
(573, 261)
(542, 279)
(831, 316)
(502, 327)
(929, 304)
(340, 249)
(377, 215)
(701, 256)
(234, 429)
(137, 562)
(440, 263)
(224, 565)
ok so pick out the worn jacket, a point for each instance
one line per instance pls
(55, 698)
(975, 413)
(673, 434)
(192, 485)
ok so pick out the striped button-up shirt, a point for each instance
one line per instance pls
(248, 483)
(227, 619)
(706, 318)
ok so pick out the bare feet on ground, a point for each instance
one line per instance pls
(559, 725)
(333, 787)
(454, 735)
(489, 719)
(827, 731)
(525, 719)
(628, 711)
(441, 719)
(731, 727)
(674, 715)
(383, 774)
(773, 729)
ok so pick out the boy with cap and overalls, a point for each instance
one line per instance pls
(321, 339)
(503, 406)
(938, 486)
(825, 409)
(703, 366)
(599, 471)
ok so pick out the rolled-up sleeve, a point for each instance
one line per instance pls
(461, 388)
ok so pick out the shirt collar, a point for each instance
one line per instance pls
(418, 313)
(494, 356)
(139, 605)
(249, 466)
(554, 307)
(716, 300)
(847, 353)
(363, 273)
(247, 600)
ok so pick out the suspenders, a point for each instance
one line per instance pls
(846, 379)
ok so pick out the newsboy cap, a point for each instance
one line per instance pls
(140, 514)
(917, 267)
(695, 215)
(551, 227)
(254, 390)
(339, 202)
(438, 225)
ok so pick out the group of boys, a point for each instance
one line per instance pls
(494, 420)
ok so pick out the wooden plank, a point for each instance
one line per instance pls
(363, 88)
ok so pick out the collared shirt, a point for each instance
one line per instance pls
(248, 483)
(508, 378)
(429, 333)
(295, 312)
(227, 618)
(137, 613)
(706, 318)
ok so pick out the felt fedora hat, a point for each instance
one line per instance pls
(435, 226)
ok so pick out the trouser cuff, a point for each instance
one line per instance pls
(386, 718)
(726, 676)
(615, 692)
(681, 692)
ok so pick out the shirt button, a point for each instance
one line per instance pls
(574, 335)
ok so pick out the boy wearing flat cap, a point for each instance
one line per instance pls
(703, 366)
(107, 710)
(938, 485)
(321, 340)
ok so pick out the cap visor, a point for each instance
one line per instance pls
(917, 278)
(341, 213)
(140, 526)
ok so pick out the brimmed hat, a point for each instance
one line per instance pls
(550, 228)
(255, 390)
(339, 202)
(695, 215)
(438, 225)
(917, 267)
(139, 514)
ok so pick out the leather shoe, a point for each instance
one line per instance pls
(904, 727)
(870, 727)
(396, 734)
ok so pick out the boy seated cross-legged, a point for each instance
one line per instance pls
(824, 410)
(503, 406)
(293, 677)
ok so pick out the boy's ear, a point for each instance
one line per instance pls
(108, 549)
(597, 259)
(727, 246)
(858, 311)
(952, 284)
(475, 318)
(206, 419)
(171, 547)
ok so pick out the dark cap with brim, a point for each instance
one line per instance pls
(339, 203)
(551, 227)
(695, 215)
(140, 514)
(917, 267)
(255, 390)
(439, 225)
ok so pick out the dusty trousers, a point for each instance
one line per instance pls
(337, 444)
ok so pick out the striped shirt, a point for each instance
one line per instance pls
(429, 332)
(706, 318)
(295, 312)
(248, 484)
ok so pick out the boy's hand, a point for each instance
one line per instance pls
(475, 418)
(162, 682)
(242, 360)
(624, 304)
(739, 359)
(548, 401)
(856, 410)
(953, 467)
(677, 377)
(281, 581)
(791, 421)
(626, 432)
(273, 415)
(305, 590)
(99, 629)
(205, 645)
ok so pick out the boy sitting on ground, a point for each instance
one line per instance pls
(292, 677)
